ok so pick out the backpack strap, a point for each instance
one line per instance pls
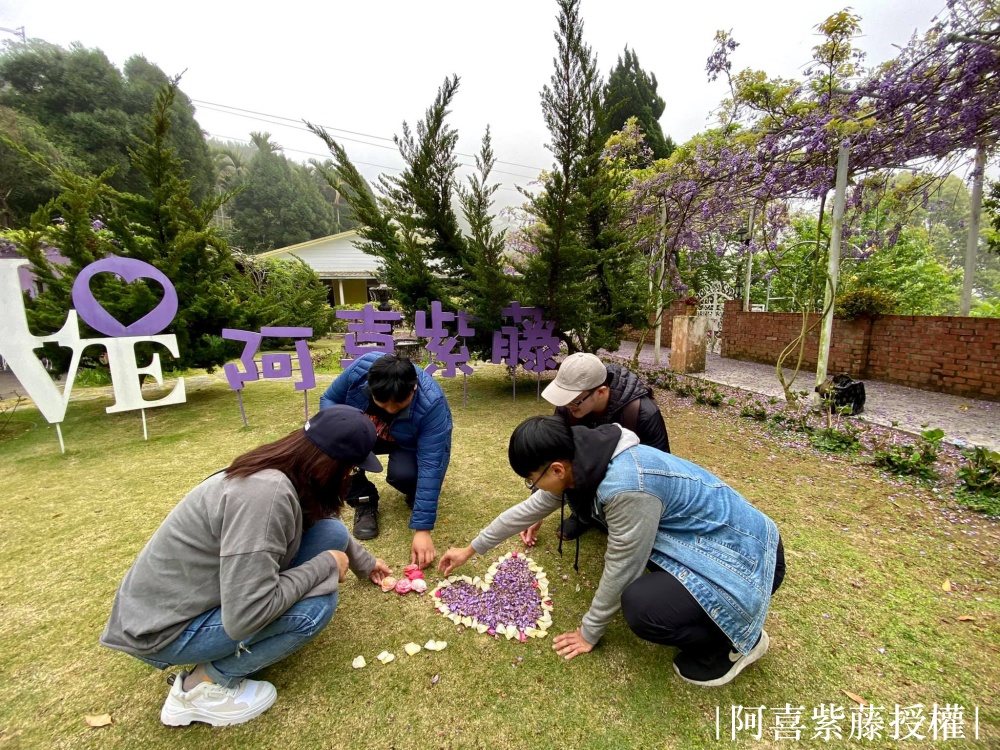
(630, 415)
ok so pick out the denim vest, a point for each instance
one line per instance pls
(720, 547)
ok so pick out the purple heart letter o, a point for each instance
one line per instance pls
(128, 269)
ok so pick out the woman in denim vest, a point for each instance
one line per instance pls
(713, 559)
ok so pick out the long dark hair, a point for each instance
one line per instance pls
(319, 480)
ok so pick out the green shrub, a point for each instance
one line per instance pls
(90, 377)
(327, 359)
(684, 387)
(708, 397)
(865, 302)
(753, 409)
(339, 325)
(980, 477)
(836, 440)
(664, 379)
(917, 459)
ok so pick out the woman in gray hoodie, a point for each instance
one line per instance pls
(245, 570)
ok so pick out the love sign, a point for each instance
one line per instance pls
(18, 344)
(129, 270)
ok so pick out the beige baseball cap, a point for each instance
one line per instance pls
(578, 373)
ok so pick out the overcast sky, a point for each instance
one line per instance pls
(367, 66)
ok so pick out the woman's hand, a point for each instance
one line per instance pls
(343, 564)
(455, 557)
(530, 535)
(571, 644)
(380, 571)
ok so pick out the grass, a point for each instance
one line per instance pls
(862, 608)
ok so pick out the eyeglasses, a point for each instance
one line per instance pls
(534, 485)
(579, 402)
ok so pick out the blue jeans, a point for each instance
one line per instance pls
(204, 641)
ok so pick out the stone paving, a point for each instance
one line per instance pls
(964, 420)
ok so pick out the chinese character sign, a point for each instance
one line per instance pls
(371, 332)
(531, 341)
(442, 346)
(17, 344)
(866, 722)
(273, 365)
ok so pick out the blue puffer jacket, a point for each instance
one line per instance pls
(423, 427)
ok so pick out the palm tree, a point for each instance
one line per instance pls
(329, 180)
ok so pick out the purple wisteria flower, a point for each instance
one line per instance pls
(512, 599)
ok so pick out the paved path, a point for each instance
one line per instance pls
(964, 420)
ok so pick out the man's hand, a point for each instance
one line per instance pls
(456, 557)
(342, 563)
(571, 644)
(380, 571)
(530, 535)
(422, 553)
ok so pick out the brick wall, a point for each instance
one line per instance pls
(949, 354)
(677, 307)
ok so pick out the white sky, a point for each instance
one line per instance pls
(367, 66)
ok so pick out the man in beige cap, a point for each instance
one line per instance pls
(589, 393)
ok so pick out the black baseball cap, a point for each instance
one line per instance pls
(344, 433)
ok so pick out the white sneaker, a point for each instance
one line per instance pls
(214, 704)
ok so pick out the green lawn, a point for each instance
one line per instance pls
(862, 608)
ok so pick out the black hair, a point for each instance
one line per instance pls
(391, 378)
(538, 441)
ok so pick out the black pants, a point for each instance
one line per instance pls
(401, 474)
(659, 609)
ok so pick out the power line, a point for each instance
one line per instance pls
(352, 132)
(313, 153)
(353, 140)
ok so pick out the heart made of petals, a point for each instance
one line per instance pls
(511, 599)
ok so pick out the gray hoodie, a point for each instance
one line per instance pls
(632, 519)
(228, 543)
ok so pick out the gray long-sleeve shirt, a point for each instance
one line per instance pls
(228, 543)
(632, 519)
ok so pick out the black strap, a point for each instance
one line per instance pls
(562, 517)
(630, 415)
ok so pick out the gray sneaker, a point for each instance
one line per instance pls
(214, 704)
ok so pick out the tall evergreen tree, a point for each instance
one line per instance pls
(25, 183)
(387, 233)
(562, 271)
(412, 226)
(172, 232)
(91, 111)
(425, 188)
(488, 289)
(631, 92)
(164, 227)
(280, 204)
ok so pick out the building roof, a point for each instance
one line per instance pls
(332, 257)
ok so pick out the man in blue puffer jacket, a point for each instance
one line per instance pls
(413, 423)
